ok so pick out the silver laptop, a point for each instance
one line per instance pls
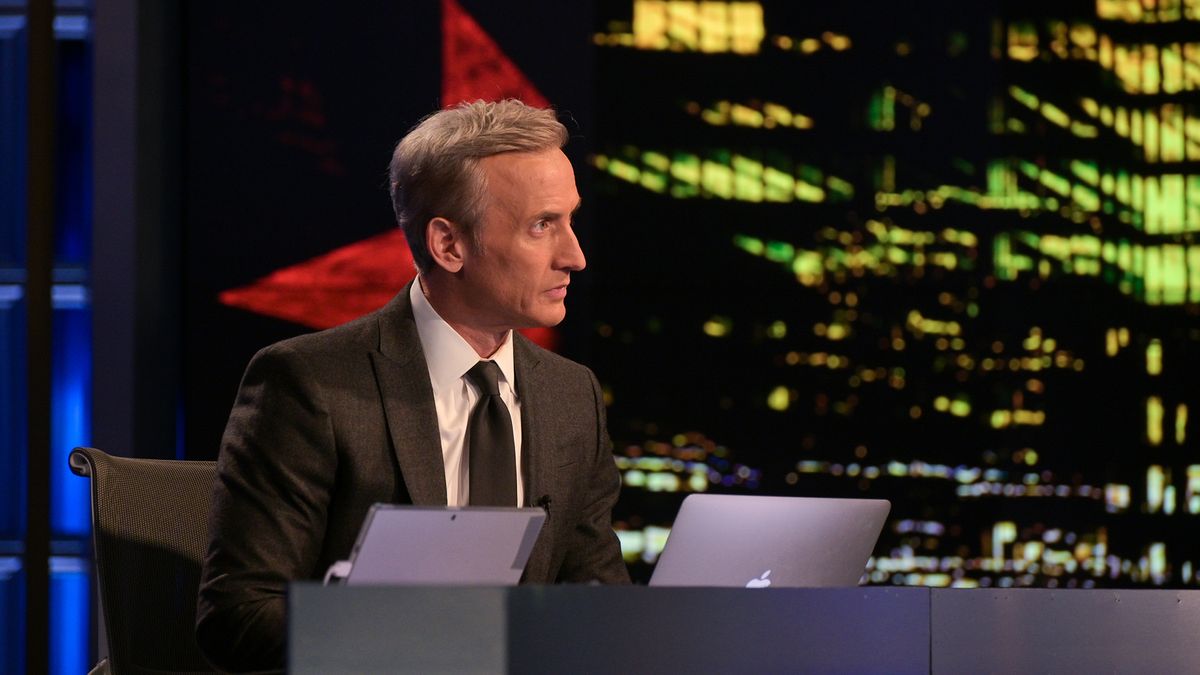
(755, 542)
(429, 545)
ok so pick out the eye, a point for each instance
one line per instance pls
(541, 226)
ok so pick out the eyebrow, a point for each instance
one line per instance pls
(548, 215)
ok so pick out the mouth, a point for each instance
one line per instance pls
(558, 292)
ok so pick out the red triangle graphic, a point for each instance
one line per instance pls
(350, 281)
(334, 287)
(474, 67)
(341, 285)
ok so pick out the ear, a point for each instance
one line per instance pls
(447, 243)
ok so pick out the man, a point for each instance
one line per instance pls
(385, 408)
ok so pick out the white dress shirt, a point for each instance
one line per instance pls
(449, 357)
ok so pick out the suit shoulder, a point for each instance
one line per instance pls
(555, 363)
(330, 346)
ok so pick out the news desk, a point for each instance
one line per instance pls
(634, 629)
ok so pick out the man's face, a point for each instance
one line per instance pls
(517, 275)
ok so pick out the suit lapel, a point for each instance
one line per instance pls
(408, 403)
(539, 469)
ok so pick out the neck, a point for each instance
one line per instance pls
(485, 341)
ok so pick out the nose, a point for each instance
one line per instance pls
(569, 255)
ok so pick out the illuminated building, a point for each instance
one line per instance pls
(948, 259)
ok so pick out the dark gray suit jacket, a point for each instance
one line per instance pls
(327, 424)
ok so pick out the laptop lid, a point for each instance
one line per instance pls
(755, 542)
(429, 545)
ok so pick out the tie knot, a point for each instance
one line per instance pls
(486, 376)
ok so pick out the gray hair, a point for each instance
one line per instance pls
(435, 167)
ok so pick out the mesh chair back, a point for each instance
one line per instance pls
(150, 527)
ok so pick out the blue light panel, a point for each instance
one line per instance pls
(70, 591)
(70, 415)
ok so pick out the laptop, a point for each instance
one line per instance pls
(432, 545)
(756, 542)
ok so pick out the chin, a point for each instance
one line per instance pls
(547, 320)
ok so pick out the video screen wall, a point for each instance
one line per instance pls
(942, 254)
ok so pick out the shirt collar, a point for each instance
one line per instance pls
(447, 354)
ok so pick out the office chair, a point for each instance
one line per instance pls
(150, 528)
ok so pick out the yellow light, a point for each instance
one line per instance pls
(1154, 488)
(1158, 561)
(1154, 357)
(777, 330)
(1154, 419)
(632, 544)
(1193, 488)
(662, 482)
(650, 24)
(1116, 496)
(1004, 532)
(1029, 417)
(656, 540)
(779, 399)
(838, 42)
(718, 326)
(746, 29)
(1181, 416)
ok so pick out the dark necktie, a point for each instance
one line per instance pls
(490, 452)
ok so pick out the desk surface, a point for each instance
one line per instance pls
(589, 629)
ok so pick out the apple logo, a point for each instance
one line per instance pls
(760, 582)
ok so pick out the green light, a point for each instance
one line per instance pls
(716, 179)
(748, 179)
(840, 188)
(656, 160)
(807, 192)
(748, 244)
(778, 186)
(807, 265)
(623, 170)
(960, 408)
(779, 251)
(1023, 97)
(1055, 115)
(685, 168)
(1086, 171)
(655, 182)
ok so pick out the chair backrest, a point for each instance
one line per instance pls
(150, 527)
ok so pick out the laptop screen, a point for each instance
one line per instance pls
(756, 542)
(403, 544)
